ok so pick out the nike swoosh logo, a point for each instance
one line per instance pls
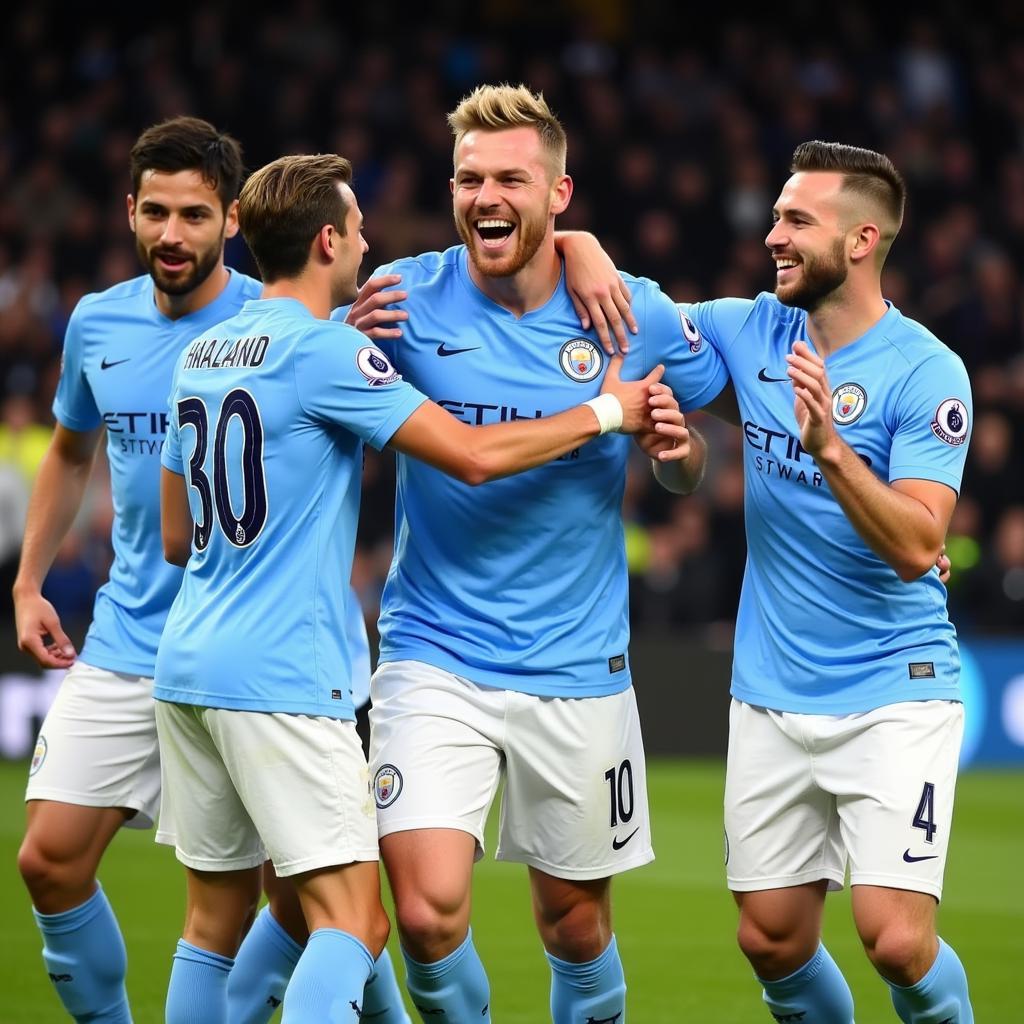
(618, 844)
(442, 351)
(762, 374)
(104, 365)
(911, 859)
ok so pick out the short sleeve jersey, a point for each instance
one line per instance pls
(269, 412)
(825, 625)
(520, 583)
(119, 358)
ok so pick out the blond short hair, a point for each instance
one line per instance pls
(284, 205)
(492, 108)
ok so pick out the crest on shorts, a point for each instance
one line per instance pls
(848, 403)
(374, 366)
(690, 332)
(581, 360)
(387, 784)
(950, 423)
(38, 755)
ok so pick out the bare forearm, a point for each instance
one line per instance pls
(56, 498)
(686, 475)
(502, 449)
(901, 530)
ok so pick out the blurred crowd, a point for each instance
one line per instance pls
(679, 144)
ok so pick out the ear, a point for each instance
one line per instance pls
(451, 185)
(865, 241)
(231, 220)
(131, 212)
(561, 193)
(323, 244)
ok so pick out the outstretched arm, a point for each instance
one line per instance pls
(478, 454)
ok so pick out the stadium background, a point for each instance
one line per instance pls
(681, 126)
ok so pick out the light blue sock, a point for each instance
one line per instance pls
(84, 954)
(591, 992)
(382, 1002)
(817, 992)
(455, 987)
(264, 964)
(940, 997)
(198, 989)
(328, 981)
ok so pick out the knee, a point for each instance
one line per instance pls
(430, 927)
(901, 953)
(773, 952)
(46, 872)
(578, 931)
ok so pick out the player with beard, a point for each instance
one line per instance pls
(846, 718)
(96, 767)
(504, 622)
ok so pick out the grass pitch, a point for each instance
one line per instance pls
(674, 919)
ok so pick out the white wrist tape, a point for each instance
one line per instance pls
(608, 410)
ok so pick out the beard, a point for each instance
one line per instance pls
(196, 270)
(529, 235)
(820, 277)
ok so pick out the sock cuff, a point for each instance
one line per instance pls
(277, 934)
(322, 935)
(801, 976)
(588, 972)
(442, 966)
(71, 920)
(195, 954)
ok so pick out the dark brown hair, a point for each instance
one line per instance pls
(190, 144)
(284, 205)
(864, 171)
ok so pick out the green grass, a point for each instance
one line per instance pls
(674, 919)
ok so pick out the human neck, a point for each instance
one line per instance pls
(176, 306)
(312, 293)
(845, 317)
(528, 288)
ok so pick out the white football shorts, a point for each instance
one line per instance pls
(98, 745)
(575, 798)
(240, 786)
(808, 795)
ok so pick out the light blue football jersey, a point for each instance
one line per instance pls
(824, 625)
(520, 583)
(269, 412)
(119, 357)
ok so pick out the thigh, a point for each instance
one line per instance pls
(781, 827)
(98, 745)
(575, 801)
(212, 830)
(895, 775)
(304, 784)
(435, 749)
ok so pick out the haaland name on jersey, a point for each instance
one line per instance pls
(215, 354)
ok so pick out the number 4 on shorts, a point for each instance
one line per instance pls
(924, 816)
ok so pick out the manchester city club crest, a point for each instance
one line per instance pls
(950, 423)
(581, 360)
(38, 755)
(374, 366)
(848, 403)
(387, 784)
